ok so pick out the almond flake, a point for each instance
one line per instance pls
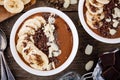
(73, 1)
(88, 49)
(66, 3)
(116, 13)
(112, 31)
(89, 65)
(108, 20)
(115, 23)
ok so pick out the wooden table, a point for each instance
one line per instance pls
(80, 60)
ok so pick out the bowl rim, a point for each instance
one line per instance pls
(89, 31)
(71, 56)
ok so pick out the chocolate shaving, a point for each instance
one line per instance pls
(54, 59)
(56, 3)
(40, 40)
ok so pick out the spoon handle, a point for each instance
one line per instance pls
(3, 71)
(9, 74)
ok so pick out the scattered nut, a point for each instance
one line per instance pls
(66, 3)
(89, 65)
(115, 23)
(88, 49)
(112, 31)
(116, 13)
(108, 20)
(73, 1)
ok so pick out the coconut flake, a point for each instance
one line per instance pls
(89, 65)
(66, 3)
(115, 23)
(112, 31)
(73, 1)
(88, 49)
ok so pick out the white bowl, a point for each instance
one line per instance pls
(20, 61)
(89, 31)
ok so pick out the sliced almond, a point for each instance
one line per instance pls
(115, 23)
(108, 20)
(103, 1)
(89, 65)
(88, 49)
(112, 31)
(49, 67)
(73, 1)
(116, 13)
(66, 3)
(53, 65)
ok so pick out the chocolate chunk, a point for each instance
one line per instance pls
(103, 67)
(110, 6)
(93, 8)
(110, 74)
(108, 59)
(117, 60)
(104, 31)
(54, 59)
(46, 16)
(110, 65)
(40, 40)
(56, 3)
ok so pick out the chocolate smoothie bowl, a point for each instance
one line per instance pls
(102, 17)
(44, 42)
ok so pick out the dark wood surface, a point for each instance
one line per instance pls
(80, 60)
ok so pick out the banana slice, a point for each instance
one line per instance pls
(91, 24)
(94, 18)
(95, 3)
(103, 1)
(35, 57)
(94, 25)
(41, 19)
(13, 6)
(93, 10)
(21, 43)
(39, 61)
(26, 1)
(26, 30)
(23, 37)
(89, 16)
(1, 2)
(33, 23)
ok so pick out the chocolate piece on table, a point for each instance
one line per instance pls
(103, 67)
(117, 60)
(107, 60)
(110, 74)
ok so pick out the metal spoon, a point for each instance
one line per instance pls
(5, 71)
